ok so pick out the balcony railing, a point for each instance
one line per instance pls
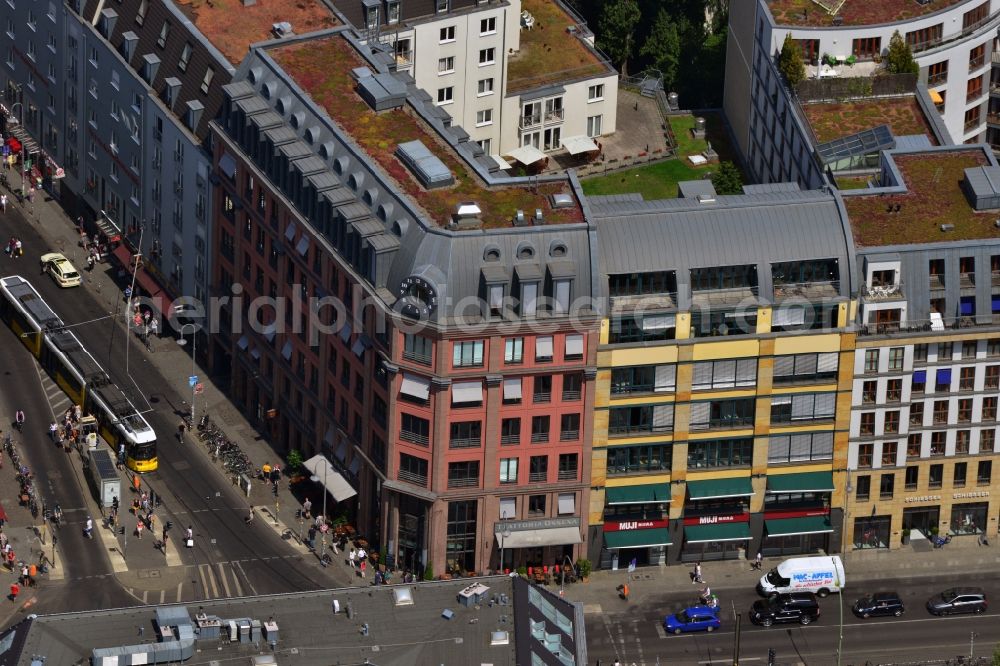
(947, 39)
(529, 122)
(423, 359)
(510, 439)
(568, 396)
(568, 474)
(807, 290)
(716, 297)
(569, 435)
(404, 58)
(886, 292)
(973, 124)
(411, 477)
(460, 483)
(538, 477)
(541, 397)
(937, 79)
(909, 327)
(465, 443)
(554, 116)
(414, 437)
(977, 62)
(666, 299)
(539, 437)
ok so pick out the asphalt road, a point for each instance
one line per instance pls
(634, 634)
(191, 487)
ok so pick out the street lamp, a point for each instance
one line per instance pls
(323, 526)
(194, 347)
(20, 122)
(504, 533)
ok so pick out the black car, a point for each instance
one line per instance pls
(798, 607)
(880, 603)
(958, 600)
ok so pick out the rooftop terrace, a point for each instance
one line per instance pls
(322, 68)
(231, 27)
(820, 13)
(934, 197)
(833, 121)
(549, 53)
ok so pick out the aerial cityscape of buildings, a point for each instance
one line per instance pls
(520, 374)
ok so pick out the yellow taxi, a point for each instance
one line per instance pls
(61, 270)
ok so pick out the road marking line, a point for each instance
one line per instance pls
(210, 575)
(236, 582)
(145, 593)
(204, 584)
(253, 589)
(163, 596)
(660, 631)
(225, 580)
(180, 585)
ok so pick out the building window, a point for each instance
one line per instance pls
(569, 466)
(488, 26)
(447, 34)
(987, 440)
(992, 380)
(414, 429)
(890, 451)
(543, 349)
(441, 5)
(206, 81)
(487, 56)
(912, 477)
(640, 419)
(569, 427)
(800, 447)
(643, 379)
(867, 423)
(417, 348)
(463, 527)
(938, 442)
(536, 505)
(392, 12)
(445, 95)
(891, 423)
(958, 479)
(919, 353)
(486, 145)
(639, 459)
(446, 65)
(871, 360)
(962, 440)
(893, 390)
(539, 429)
(595, 93)
(866, 48)
(887, 484)
(467, 354)
(985, 472)
(801, 407)
(465, 434)
(736, 373)
(510, 431)
(464, 474)
(161, 41)
(917, 414)
(542, 389)
(484, 117)
(866, 452)
(508, 470)
(371, 16)
(973, 18)
(538, 469)
(412, 469)
(925, 38)
(140, 15)
(185, 57)
(896, 355)
(735, 413)
(936, 477)
(800, 368)
(513, 351)
(977, 57)
(864, 488)
(720, 453)
(594, 125)
(485, 86)
(965, 410)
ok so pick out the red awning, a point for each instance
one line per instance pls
(147, 285)
(124, 256)
(14, 144)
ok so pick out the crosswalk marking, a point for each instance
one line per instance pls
(225, 581)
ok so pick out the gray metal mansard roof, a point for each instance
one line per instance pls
(761, 228)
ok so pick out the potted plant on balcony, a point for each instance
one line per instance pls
(851, 59)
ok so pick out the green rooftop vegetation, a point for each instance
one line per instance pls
(549, 53)
(659, 180)
(934, 197)
(232, 27)
(817, 13)
(323, 69)
(833, 121)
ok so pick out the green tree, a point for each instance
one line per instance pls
(294, 461)
(790, 62)
(900, 58)
(727, 179)
(429, 573)
(616, 31)
(663, 47)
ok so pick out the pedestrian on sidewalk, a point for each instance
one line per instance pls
(18, 248)
(307, 509)
(249, 520)
(3, 202)
(696, 576)
(128, 294)
(154, 328)
(351, 558)
(758, 561)
(139, 526)
(136, 483)
(15, 590)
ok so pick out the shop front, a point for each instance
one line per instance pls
(537, 544)
(872, 532)
(924, 519)
(716, 519)
(797, 517)
(968, 518)
(635, 525)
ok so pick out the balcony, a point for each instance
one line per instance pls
(404, 59)
(568, 474)
(973, 124)
(414, 478)
(413, 437)
(569, 435)
(541, 397)
(530, 122)
(966, 280)
(807, 290)
(465, 443)
(710, 298)
(569, 396)
(508, 440)
(882, 293)
(539, 437)
(538, 477)
(937, 79)
(936, 282)
(422, 359)
(458, 483)
(554, 116)
(662, 300)
(977, 62)
(995, 276)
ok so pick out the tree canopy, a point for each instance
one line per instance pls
(663, 46)
(790, 62)
(727, 179)
(900, 58)
(616, 31)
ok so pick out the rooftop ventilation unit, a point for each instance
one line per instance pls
(519, 220)
(705, 199)
(282, 29)
(381, 91)
(947, 227)
(467, 216)
(539, 218)
(499, 638)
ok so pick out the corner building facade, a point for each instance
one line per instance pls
(454, 392)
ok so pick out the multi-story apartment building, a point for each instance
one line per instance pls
(454, 391)
(723, 385)
(952, 42)
(510, 73)
(120, 94)
(927, 364)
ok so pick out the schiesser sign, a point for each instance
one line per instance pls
(629, 525)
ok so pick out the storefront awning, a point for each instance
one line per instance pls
(329, 478)
(717, 532)
(720, 488)
(416, 387)
(805, 482)
(659, 536)
(553, 536)
(527, 155)
(646, 494)
(793, 526)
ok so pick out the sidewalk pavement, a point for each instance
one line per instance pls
(599, 594)
(173, 362)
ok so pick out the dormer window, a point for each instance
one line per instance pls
(371, 13)
(392, 12)
(441, 6)
(560, 295)
(529, 299)
(182, 64)
(161, 41)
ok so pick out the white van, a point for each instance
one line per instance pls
(820, 575)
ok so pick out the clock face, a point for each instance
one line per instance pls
(418, 297)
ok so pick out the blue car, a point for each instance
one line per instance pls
(696, 618)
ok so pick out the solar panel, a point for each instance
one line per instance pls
(855, 145)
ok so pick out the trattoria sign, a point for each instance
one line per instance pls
(630, 525)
